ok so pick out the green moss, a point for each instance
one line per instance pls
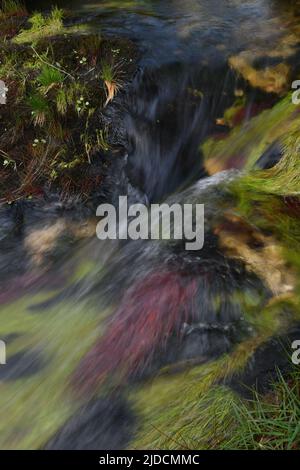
(42, 26)
(37, 406)
(284, 178)
(238, 150)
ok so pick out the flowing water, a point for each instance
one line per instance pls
(85, 335)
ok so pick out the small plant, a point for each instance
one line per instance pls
(39, 109)
(42, 26)
(61, 101)
(270, 422)
(82, 105)
(8, 161)
(38, 142)
(102, 139)
(90, 45)
(57, 15)
(49, 77)
(37, 21)
(109, 74)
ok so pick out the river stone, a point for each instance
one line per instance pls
(104, 424)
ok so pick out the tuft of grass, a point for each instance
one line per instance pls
(284, 178)
(107, 72)
(102, 139)
(39, 108)
(181, 408)
(61, 102)
(57, 15)
(269, 422)
(110, 76)
(49, 77)
(37, 21)
(42, 26)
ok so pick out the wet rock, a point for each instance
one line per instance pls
(272, 79)
(262, 369)
(105, 424)
(23, 364)
(241, 241)
(270, 157)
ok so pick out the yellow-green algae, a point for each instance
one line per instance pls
(247, 142)
(33, 408)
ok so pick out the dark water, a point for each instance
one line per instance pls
(189, 30)
(155, 302)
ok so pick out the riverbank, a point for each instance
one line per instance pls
(59, 79)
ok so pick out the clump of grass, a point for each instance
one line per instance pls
(42, 26)
(102, 139)
(269, 422)
(90, 46)
(110, 76)
(284, 178)
(39, 108)
(181, 408)
(50, 76)
(69, 96)
(61, 101)
(37, 21)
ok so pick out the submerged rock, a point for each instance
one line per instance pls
(272, 79)
(107, 423)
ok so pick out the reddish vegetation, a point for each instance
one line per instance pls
(152, 310)
(235, 161)
(248, 112)
(12, 22)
